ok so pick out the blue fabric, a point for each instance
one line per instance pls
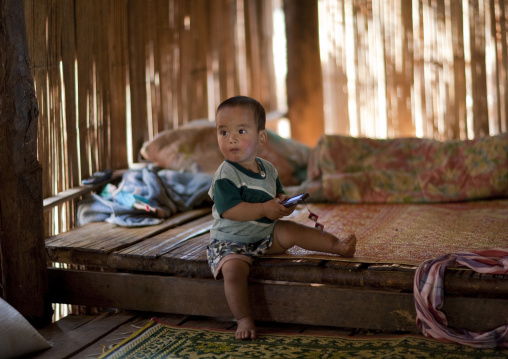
(168, 191)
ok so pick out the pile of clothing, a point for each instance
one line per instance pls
(146, 197)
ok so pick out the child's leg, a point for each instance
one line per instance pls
(235, 272)
(288, 234)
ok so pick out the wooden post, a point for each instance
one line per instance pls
(478, 69)
(304, 78)
(118, 65)
(459, 110)
(137, 36)
(22, 254)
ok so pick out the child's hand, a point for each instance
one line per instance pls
(274, 210)
(282, 197)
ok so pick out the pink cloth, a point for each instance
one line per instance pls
(429, 297)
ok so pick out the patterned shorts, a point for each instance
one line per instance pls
(218, 250)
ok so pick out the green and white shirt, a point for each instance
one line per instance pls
(233, 184)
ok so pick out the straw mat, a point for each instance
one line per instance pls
(409, 233)
(158, 340)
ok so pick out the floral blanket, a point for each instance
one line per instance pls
(343, 169)
(363, 170)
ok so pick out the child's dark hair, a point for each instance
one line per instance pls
(250, 103)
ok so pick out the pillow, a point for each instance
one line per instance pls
(17, 336)
(189, 148)
(195, 148)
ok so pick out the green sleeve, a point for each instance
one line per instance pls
(226, 195)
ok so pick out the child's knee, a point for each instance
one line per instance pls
(287, 228)
(235, 269)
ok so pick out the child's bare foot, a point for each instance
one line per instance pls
(347, 246)
(246, 329)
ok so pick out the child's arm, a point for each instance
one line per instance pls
(246, 211)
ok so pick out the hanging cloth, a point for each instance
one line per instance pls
(429, 297)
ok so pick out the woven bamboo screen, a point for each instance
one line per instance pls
(426, 68)
(110, 75)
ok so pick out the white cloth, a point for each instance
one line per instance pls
(17, 336)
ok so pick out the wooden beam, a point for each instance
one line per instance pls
(272, 301)
(22, 254)
(304, 78)
(77, 192)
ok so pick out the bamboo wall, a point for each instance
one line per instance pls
(426, 68)
(110, 75)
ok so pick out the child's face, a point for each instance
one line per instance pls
(238, 135)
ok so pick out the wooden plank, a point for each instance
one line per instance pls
(165, 242)
(189, 259)
(96, 233)
(74, 341)
(459, 281)
(289, 303)
(193, 263)
(207, 323)
(101, 238)
(77, 192)
(63, 326)
(193, 250)
(307, 274)
(393, 311)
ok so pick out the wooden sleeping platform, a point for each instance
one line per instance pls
(163, 269)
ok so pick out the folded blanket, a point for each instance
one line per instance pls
(145, 197)
(345, 169)
(429, 297)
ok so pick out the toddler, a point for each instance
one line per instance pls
(247, 209)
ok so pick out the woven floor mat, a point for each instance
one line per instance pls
(158, 340)
(409, 233)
